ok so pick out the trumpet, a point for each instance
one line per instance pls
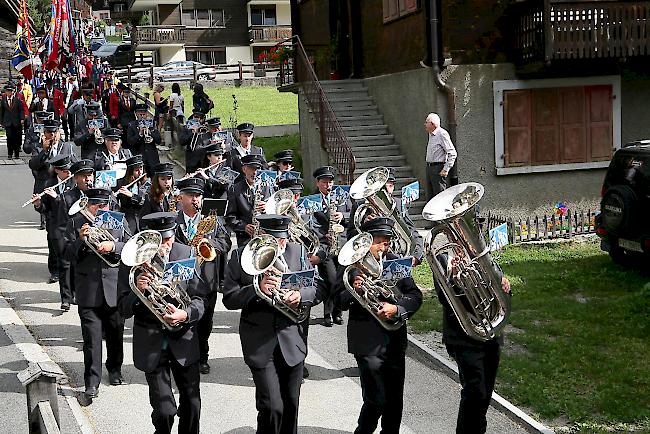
(96, 125)
(141, 254)
(42, 193)
(262, 255)
(144, 125)
(95, 236)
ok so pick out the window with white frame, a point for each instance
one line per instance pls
(263, 16)
(203, 18)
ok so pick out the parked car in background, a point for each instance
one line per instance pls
(118, 55)
(623, 224)
(95, 43)
(181, 70)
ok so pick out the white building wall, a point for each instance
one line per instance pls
(236, 54)
(283, 14)
(171, 54)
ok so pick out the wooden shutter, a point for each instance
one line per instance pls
(599, 122)
(545, 123)
(517, 128)
(574, 139)
(407, 6)
(391, 10)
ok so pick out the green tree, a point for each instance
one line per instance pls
(41, 12)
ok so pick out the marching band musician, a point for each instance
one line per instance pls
(214, 188)
(157, 351)
(85, 135)
(418, 245)
(380, 353)
(274, 346)
(125, 109)
(214, 126)
(283, 161)
(96, 294)
(241, 197)
(136, 139)
(47, 206)
(78, 110)
(191, 197)
(41, 102)
(245, 147)
(131, 199)
(113, 152)
(327, 267)
(160, 196)
(192, 139)
(477, 361)
(52, 146)
(34, 140)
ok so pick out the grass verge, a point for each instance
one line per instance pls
(578, 344)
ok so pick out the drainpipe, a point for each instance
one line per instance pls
(441, 84)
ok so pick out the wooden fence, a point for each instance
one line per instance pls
(545, 227)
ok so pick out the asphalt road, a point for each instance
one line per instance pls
(330, 398)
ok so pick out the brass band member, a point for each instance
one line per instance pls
(85, 136)
(214, 126)
(160, 353)
(245, 147)
(192, 138)
(160, 195)
(274, 347)
(380, 353)
(327, 267)
(96, 294)
(130, 200)
(241, 198)
(142, 139)
(214, 188)
(283, 161)
(113, 152)
(188, 230)
(34, 140)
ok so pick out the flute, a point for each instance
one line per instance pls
(42, 193)
(132, 183)
(190, 175)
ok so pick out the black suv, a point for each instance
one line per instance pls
(624, 220)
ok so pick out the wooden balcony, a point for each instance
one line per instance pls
(160, 35)
(554, 30)
(268, 34)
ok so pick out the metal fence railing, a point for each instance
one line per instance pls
(545, 227)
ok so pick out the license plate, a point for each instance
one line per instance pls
(630, 245)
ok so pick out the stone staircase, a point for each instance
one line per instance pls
(368, 136)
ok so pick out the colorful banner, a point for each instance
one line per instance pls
(309, 204)
(396, 269)
(297, 280)
(498, 237)
(410, 193)
(340, 194)
(106, 179)
(22, 58)
(179, 271)
(110, 220)
(62, 39)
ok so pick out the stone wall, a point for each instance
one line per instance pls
(313, 154)
(7, 42)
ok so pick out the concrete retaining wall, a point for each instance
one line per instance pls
(276, 130)
(313, 155)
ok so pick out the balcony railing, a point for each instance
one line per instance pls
(269, 33)
(548, 30)
(160, 34)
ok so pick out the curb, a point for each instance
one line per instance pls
(419, 351)
(33, 352)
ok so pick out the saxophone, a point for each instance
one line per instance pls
(257, 198)
(200, 244)
(334, 229)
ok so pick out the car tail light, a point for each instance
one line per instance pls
(601, 232)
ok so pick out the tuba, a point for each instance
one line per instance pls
(356, 254)
(370, 186)
(141, 254)
(261, 255)
(477, 299)
(95, 235)
(281, 202)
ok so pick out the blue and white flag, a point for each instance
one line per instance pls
(265, 177)
(340, 194)
(179, 271)
(410, 193)
(396, 269)
(286, 176)
(106, 179)
(110, 220)
(96, 123)
(297, 280)
(22, 58)
(498, 237)
(226, 175)
(309, 204)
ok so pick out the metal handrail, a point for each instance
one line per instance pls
(299, 70)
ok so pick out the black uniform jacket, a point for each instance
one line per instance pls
(366, 337)
(125, 115)
(101, 161)
(86, 141)
(261, 326)
(94, 280)
(193, 157)
(41, 168)
(219, 240)
(235, 157)
(135, 142)
(64, 203)
(149, 334)
(240, 209)
(50, 206)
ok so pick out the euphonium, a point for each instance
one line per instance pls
(203, 248)
(356, 255)
(261, 255)
(281, 202)
(95, 235)
(476, 295)
(141, 254)
(370, 186)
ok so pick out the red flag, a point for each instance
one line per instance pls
(22, 58)
(61, 35)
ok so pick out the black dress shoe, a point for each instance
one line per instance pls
(65, 306)
(327, 321)
(41, 228)
(204, 368)
(92, 392)
(53, 279)
(115, 378)
(338, 319)
(305, 372)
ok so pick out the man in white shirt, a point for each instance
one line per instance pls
(440, 157)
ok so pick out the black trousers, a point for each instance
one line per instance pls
(93, 321)
(382, 385)
(161, 396)
(53, 256)
(14, 140)
(277, 395)
(435, 182)
(477, 369)
(204, 327)
(65, 286)
(327, 270)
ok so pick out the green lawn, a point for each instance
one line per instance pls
(579, 349)
(260, 105)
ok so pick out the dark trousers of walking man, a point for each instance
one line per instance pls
(14, 140)
(436, 182)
